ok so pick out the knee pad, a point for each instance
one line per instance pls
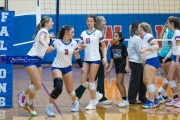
(72, 93)
(85, 84)
(172, 84)
(165, 81)
(92, 86)
(32, 89)
(151, 88)
(58, 85)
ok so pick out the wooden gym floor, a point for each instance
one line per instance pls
(63, 103)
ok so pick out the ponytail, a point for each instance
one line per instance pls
(41, 24)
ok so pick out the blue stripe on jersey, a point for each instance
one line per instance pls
(81, 38)
(177, 37)
(66, 43)
(101, 38)
(150, 39)
(91, 32)
(43, 32)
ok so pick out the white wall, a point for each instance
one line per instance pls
(97, 6)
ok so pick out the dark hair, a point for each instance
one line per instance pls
(92, 16)
(120, 36)
(62, 31)
(176, 22)
(41, 24)
(134, 28)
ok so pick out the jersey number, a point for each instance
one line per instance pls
(66, 51)
(87, 40)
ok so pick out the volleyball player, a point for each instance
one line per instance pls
(149, 54)
(100, 25)
(62, 67)
(166, 46)
(173, 23)
(34, 70)
(91, 38)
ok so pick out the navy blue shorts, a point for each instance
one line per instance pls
(93, 62)
(35, 63)
(63, 70)
(174, 58)
(153, 62)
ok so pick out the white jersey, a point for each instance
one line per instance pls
(134, 47)
(175, 37)
(38, 49)
(64, 53)
(92, 42)
(146, 42)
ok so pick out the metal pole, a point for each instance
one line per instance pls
(57, 16)
(5, 4)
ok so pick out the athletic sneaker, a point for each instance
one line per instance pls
(49, 111)
(157, 101)
(21, 99)
(123, 103)
(166, 98)
(149, 104)
(97, 98)
(91, 105)
(106, 102)
(177, 104)
(30, 109)
(172, 102)
(75, 106)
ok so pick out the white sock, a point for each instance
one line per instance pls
(30, 102)
(160, 90)
(157, 97)
(50, 105)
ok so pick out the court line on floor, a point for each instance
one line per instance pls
(55, 105)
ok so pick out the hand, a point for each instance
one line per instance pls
(142, 51)
(82, 47)
(127, 69)
(46, 46)
(104, 61)
(177, 65)
(83, 70)
(106, 65)
(163, 61)
(51, 35)
(108, 72)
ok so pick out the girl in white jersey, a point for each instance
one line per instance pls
(91, 37)
(62, 67)
(149, 54)
(173, 23)
(38, 50)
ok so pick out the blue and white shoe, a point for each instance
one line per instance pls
(157, 101)
(149, 104)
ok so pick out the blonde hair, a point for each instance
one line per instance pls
(41, 24)
(98, 22)
(146, 27)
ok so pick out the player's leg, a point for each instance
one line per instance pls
(163, 88)
(148, 77)
(32, 89)
(58, 87)
(68, 81)
(172, 84)
(93, 68)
